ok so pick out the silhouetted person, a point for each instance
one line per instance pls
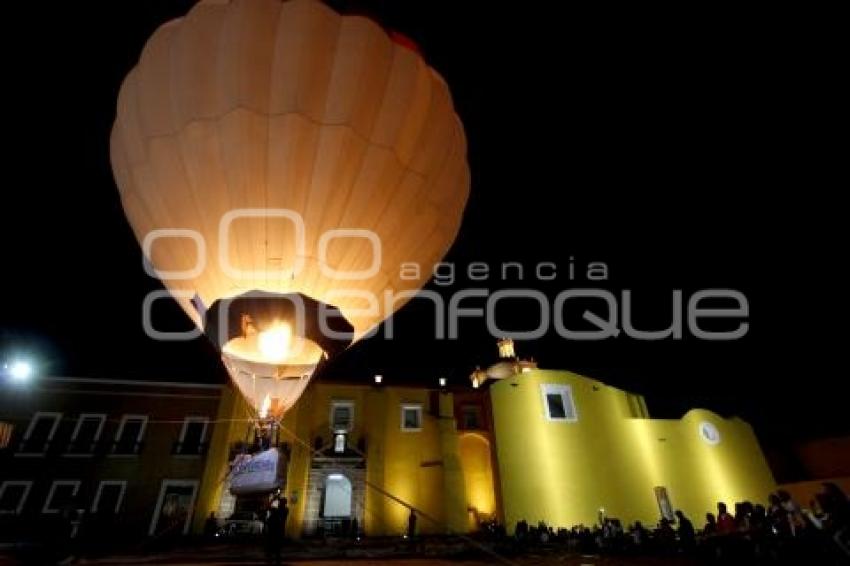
(275, 521)
(793, 512)
(835, 505)
(777, 518)
(710, 527)
(725, 522)
(411, 525)
(665, 536)
(687, 536)
(210, 527)
(284, 515)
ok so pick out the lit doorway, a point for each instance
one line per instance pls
(337, 497)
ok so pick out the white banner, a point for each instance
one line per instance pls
(256, 473)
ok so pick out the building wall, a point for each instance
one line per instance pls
(166, 406)
(5, 434)
(420, 469)
(613, 457)
(433, 469)
(235, 424)
(820, 460)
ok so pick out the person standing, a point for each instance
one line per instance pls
(687, 536)
(725, 522)
(275, 521)
(411, 524)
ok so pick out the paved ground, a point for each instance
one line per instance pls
(525, 561)
(332, 555)
(183, 559)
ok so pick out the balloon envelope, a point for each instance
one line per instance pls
(278, 147)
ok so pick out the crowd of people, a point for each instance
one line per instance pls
(781, 531)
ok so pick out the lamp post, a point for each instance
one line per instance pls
(18, 371)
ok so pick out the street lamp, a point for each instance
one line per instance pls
(19, 371)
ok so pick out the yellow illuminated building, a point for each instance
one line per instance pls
(603, 454)
(537, 445)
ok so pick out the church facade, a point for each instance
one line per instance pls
(534, 444)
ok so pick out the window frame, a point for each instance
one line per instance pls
(342, 403)
(46, 509)
(99, 492)
(120, 432)
(475, 409)
(27, 484)
(339, 442)
(411, 407)
(76, 433)
(566, 393)
(182, 438)
(57, 418)
(163, 488)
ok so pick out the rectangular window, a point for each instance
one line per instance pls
(62, 494)
(131, 431)
(411, 417)
(558, 403)
(109, 496)
(470, 417)
(192, 440)
(39, 434)
(13, 495)
(173, 513)
(342, 416)
(86, 434)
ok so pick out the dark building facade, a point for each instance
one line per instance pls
(127, 454)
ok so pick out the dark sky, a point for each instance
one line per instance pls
(682, 149)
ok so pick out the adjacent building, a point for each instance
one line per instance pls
(131, 452)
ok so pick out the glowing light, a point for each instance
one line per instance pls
(506, 348)
(475, 383)
(379, 379)
(20, 371)
(264, 408)
(335, 477)
(442, 382)
(275, 342)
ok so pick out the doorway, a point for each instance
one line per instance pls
(337, 497)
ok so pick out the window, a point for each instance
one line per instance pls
(411, 417)
(173, 507)
(86, 434)
(128, 439)
(470, 417)
(13, 495)
(709, 433)
(558, 403)
(109, 496)
(192, 437)
(342, 416)
(39, 434)
(62, 494)
(339, 443)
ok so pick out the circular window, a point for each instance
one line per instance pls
(709, 432)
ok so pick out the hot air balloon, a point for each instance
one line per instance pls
(280, 164)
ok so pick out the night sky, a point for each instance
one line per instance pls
(677, 148)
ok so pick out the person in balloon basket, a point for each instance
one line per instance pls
(274, 528)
